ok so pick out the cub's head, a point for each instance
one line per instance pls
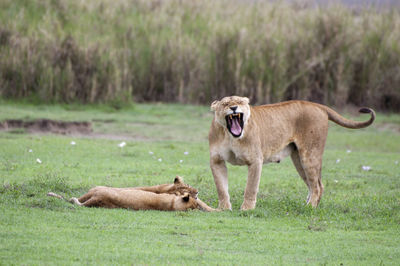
(180, 188)
(232, 112)
(185, 202)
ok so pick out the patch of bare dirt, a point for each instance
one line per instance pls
(48, 126)
(81, 129)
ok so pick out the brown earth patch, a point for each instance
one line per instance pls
(80, 129)
(48, 126)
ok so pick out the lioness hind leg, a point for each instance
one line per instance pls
(310, 148)
(297, 163)
(312, 164)
(314, 179)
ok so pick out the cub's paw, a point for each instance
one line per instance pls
(75, 201)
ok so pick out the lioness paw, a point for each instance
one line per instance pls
(224, 205)
(248, 206)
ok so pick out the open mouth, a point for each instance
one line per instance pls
(234, 123)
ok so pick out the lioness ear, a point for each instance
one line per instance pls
(246, 100)
(178, 180)
(185, 197)
(214, 105)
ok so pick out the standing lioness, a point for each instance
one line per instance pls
(254, 135)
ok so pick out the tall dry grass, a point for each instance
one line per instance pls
(197, 51)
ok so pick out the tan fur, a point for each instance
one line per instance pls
(166, 197)
(269, 134)
(177, 188)
(135, 199)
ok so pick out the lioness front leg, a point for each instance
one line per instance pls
(220, 173)
(253, 181)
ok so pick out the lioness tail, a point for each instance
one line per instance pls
(344, 122)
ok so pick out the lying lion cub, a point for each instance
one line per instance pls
(177, 188)
(254, 135)
(167, 197)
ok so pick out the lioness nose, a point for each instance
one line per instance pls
(233, 108)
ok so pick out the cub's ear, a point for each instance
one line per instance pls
(185, 197)
(178, 180)
(214, 105)
(246, 100)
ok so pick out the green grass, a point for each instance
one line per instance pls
(357, 221)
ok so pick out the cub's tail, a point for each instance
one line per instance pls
(344, 122)
(72, 200)
(52, 194)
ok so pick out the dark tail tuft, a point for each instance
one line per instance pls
(340, 120)
(365, 110)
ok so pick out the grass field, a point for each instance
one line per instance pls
(357, 221)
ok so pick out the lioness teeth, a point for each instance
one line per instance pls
(230, 116)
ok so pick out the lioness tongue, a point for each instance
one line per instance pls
(236, 128)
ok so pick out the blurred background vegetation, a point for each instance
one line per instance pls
(103, 51)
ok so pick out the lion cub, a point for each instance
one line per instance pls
(177, 188)
(167, 197)
(255, 135)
